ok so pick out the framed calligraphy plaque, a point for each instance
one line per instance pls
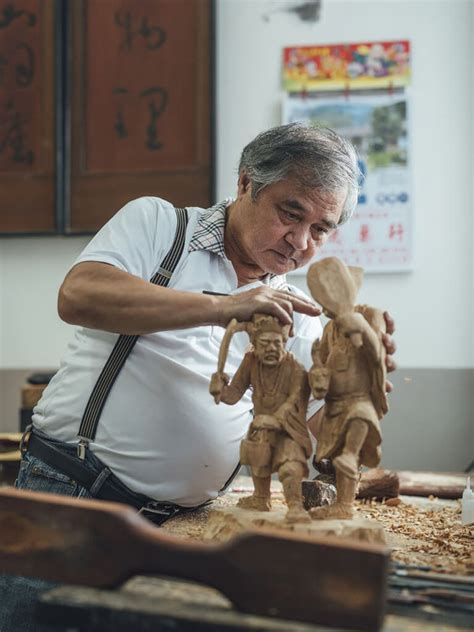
(140, 106)
(28, 44)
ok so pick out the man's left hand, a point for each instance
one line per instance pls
(390, 348)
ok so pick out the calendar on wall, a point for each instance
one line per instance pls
(359, 90)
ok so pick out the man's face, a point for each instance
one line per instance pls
(269, 348)
(285, 226)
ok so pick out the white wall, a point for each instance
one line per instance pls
(431, 305)
(437, 292)
(31, 270)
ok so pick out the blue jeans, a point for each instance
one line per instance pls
(18, 595)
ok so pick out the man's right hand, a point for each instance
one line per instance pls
(265, 300)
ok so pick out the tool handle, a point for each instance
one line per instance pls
(91, 542)
(100, 544)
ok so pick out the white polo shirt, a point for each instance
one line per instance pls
(160, 431)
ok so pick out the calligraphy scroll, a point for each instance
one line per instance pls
(27, 138)
(140, 105)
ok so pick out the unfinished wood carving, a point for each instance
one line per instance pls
(349, 373)
(277, 439)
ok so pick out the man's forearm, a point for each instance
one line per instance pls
(100, 296)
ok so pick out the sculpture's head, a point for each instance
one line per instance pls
(268, 337)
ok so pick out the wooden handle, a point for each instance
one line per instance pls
(89, 542)
(103, 544)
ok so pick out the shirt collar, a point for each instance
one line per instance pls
(209, 235)
(209, 231)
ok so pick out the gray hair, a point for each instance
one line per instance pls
(315, 156)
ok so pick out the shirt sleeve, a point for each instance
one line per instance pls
(306, 330)
(136, 238)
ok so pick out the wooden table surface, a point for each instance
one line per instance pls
(154, 603)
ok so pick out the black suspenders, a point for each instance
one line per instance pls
(125, 344)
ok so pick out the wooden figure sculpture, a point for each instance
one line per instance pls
(349, 373)
(277, 440)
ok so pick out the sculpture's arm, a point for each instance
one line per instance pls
(354, 323)
(230, 392)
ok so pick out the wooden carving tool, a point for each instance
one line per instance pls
(327, 581)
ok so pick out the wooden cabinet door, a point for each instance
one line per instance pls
(140, 105)
(27, 116)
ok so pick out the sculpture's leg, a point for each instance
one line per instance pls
(260, 499)
(291, 474)
(343, 508)
(348, 461)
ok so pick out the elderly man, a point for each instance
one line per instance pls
(129, 417)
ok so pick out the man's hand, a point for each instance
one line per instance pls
(390, 348)
(218, 382)
(265, 300)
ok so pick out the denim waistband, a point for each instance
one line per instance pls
(95, 476)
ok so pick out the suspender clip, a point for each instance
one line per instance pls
(166, 273)
(81, 448)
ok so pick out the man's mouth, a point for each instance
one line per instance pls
(284, 258)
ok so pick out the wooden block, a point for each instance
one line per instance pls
(378, 484)
(151, 603)
(439, 484)
(224, 523)
(317, 494)
(31, 394)
(10, 457)
(9, 447)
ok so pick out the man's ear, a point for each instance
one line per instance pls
(244, 184)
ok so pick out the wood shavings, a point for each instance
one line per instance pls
(421, 532)
(426, 536)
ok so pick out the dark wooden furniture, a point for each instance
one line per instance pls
(28, 48)
(102, 101)
(140, 105)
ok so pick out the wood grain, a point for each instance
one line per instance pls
(325, 580)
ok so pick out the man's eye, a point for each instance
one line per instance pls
(318, 231)
(291, 216)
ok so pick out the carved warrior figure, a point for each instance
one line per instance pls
(349, 373)
(277, 440)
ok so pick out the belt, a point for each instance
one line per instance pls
(104, 485)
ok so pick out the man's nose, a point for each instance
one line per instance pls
(298, 237)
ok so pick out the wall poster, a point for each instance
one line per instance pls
(379, 236)
(355, 66)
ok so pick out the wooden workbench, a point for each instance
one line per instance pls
(151, 603)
